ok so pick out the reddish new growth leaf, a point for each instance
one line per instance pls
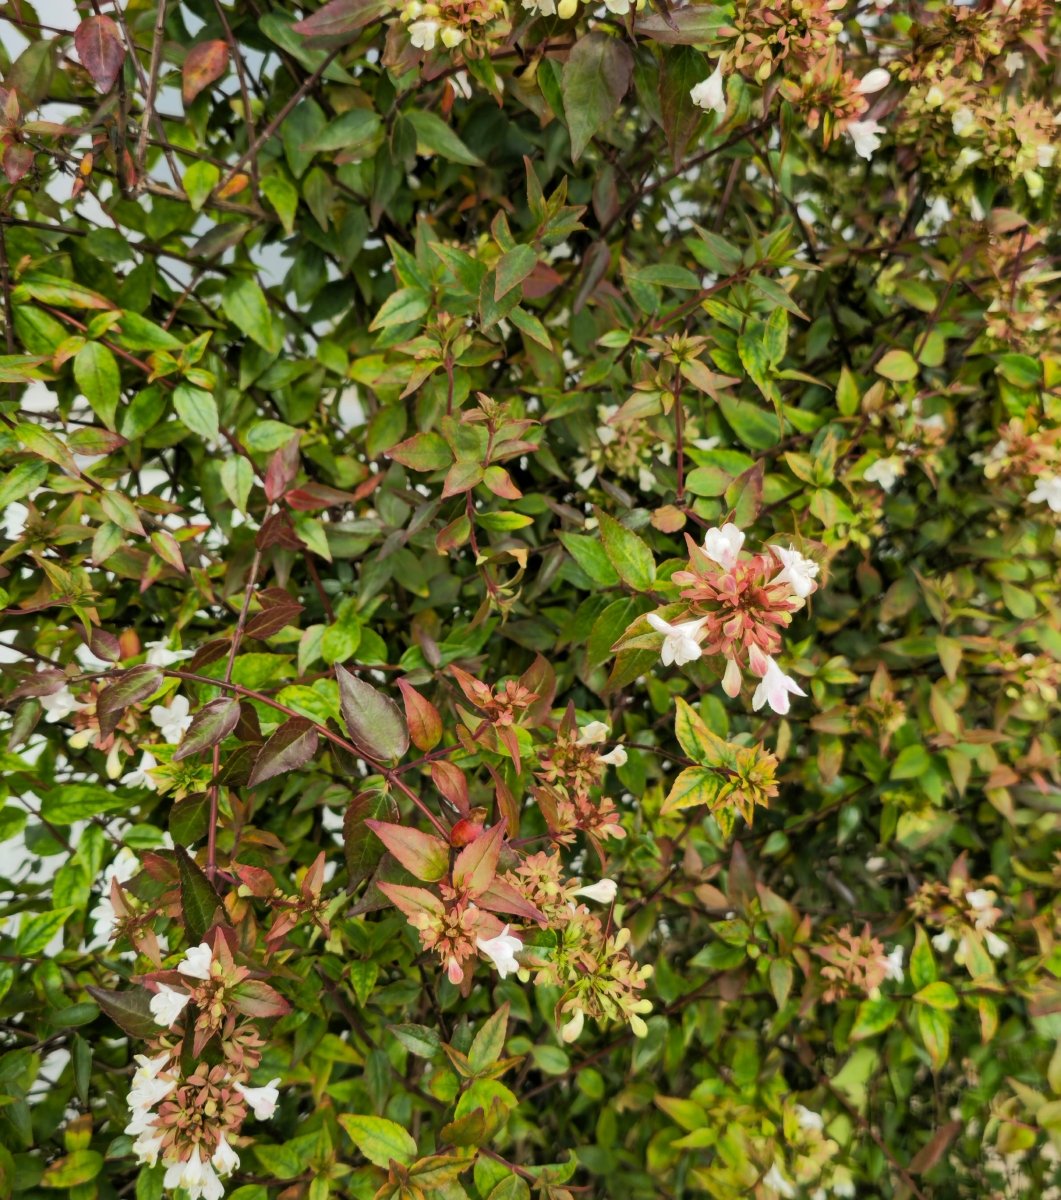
(205, 63)
(101, 50)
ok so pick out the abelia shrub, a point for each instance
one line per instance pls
(529, 566)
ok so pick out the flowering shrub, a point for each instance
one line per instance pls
(530, 583)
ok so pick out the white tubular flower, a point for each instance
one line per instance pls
(1014, 62)
(874, 81)
(808, 1119)
(943, 940)
(570, 1030)
(423, 33)
(996, 947)
(866, 136)
(962, 120)
(159, 654)
(616, 757)
(723, 545)
(776, 1182)
(774, 689)
(147, 1148)
(797, 571)
(451, 36)
(1047, 490)
(886, 472)
(893, 965)
(224, 1159)
(710, 95)
(593, 733)
(501, 951)
(196, 962)
(566, 9)
(262, 1100)
(679, 641)
(167, 1004)
(980, 898)
(140, 776)
(935, 96)
(172, 721)
(603, 891)
(59, 705)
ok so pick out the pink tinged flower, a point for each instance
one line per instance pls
(196, 962)
(224, 1159)
(874, 81)
(603, 891)
(866, 136)
(679, 641)
(774, 689)
(167, 1004)
(173, 721)
(454, 971)
(710, 95)
(146, 1093)
(797, 571)
(570, 1030)
(893, 965)
(1047, 490)
(731, 681)
(616, 757)
(501, 951)
(593, 733)
(723, 545)
(262, 1100)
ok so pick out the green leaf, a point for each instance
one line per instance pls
(512, 268)
(401, 307)
(245, 305)
(79, 1167)
(379, 1140)
(595, 78)
(362, 848)
(200, 179)
(196, 409)
(873, 1017)
(211, 724)
(200, 904)
(934, 1026)
(628, 554)
(290, 747)
(97, 375)
(283, 196)
(374, 722)
(237, 478)
(38, 930)
(489, 1042)
(938, 994)
(897, 365)
(434, 136)
(72, 802)
(591, 556)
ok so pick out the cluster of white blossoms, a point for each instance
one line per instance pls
(738, 604)
(566, 9)
(985, 913)
(188, 1119)
(594, 734)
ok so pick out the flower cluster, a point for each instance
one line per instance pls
(735, 607)
(857, 964)
(191, 1119)
(449, 24)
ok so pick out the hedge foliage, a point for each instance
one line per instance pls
(531, 600)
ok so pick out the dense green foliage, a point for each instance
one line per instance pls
(381, 382)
